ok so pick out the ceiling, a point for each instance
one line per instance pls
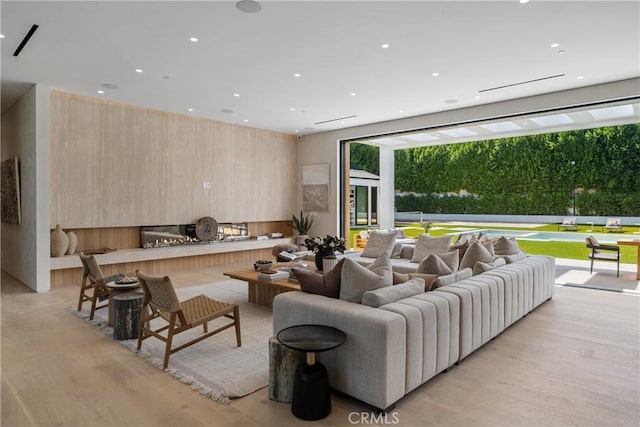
(243, 67)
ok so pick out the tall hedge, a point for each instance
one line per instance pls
(534, 174)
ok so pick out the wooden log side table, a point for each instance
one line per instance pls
(283, 362)
(116, 288)
(311, 397)
(127, 310)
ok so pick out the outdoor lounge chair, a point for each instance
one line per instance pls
(597, 254)
(568, 224)
(613, 224)
(160, 301)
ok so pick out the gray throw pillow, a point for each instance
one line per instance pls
(505, 246)
(477, 252)
(515, 257)
(433, 264)
(426, 246)
(378, 244)
(389, 294)
(452, 278)
(357, 279)
(397, 250)
(481, 267)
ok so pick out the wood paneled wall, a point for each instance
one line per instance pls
(117, 165)
(73, 276)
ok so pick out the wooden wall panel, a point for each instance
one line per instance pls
(73, 276)
(116, 165)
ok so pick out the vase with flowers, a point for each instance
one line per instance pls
(325, 246)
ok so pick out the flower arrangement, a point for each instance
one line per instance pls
(328, 243)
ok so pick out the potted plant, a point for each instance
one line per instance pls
(301, 224)
(325, 246)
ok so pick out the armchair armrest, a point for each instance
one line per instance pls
(608, 247)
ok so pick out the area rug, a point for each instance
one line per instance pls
(604, 281)
(215, 367)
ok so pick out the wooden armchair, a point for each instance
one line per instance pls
(92, 286)
(160, 301)
(612, 254)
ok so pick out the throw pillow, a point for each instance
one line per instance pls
(321, 284)
(357, 279)
(433, 264)
(389, 294)
(378, 244)
(452, 278)
(397, 250)
(461, 247)
(399, 278)
(505, 246)
(515, 257)
(429, 279)
(476, 253)
(426, 246)
(481, 267)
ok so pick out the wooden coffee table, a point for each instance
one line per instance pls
(636, 243)
(262, 292)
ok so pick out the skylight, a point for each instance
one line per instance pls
(555, 120)
(501, 127)
(458, 132)
(612, 112)
(421, 137)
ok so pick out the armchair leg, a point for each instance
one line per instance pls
(236, 321)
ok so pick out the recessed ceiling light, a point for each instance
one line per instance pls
(296, 131)
(555, 44)
(189, 109)
(477, 97)
(138, 70)
(435, 74)
(236, 94)
(297, 75)
(248, 6)
(524, 1)
(1, 36)
(109, 86)
(100, 92)
(194, 39)
(580, 77)
(400, 111)
(450, 101)
(246, 120)
(292, 109)
(384, 46)
(352, 94)
(562, 52)
(226, 110)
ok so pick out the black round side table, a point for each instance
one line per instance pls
(311, 397)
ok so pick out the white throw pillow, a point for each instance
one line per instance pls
(426, 246)
(357, 279)
(477, 252)
(378, 244)
(388, 294)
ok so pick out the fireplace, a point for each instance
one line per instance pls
(158, 236)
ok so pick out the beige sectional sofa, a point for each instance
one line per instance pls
(395, 348)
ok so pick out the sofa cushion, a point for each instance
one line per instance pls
(452, 278)
(389, 294)
(327, 284)
(357, 279)
(505, 246)
(461, 247)
(426, 246)
(399, 278)
(477, 252)
(482, 267)
(378, 244)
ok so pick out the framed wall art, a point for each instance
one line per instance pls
(315, 188)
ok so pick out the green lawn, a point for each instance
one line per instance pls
(569, 250)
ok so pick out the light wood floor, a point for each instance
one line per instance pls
(573, 361)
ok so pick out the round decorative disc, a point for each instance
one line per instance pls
(206, 228)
